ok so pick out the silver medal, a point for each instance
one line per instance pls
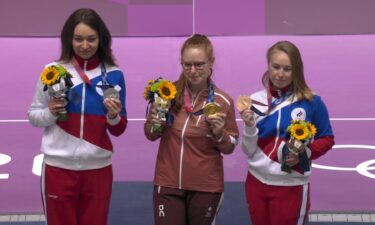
(111, 93)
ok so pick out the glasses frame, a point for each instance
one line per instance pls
(197, 65)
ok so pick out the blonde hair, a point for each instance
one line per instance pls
(299, 85)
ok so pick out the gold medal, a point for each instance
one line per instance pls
(211, 108)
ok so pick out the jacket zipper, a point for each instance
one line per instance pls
(277, 132)
(182, 143)
(83, 103)
(182, 152)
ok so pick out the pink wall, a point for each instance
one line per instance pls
(183, 17)
(339, 68)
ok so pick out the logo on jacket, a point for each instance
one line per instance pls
(298, 114)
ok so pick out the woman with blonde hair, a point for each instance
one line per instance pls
(277, 184)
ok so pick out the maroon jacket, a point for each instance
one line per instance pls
(189, 157)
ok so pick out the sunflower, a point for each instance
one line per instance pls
(166, 90)
(299, 132)
(50, 75)
(311, 128)
(147, 92)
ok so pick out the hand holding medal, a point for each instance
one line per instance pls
(216, 121)
(211, 108)
(113, 106)
(243, 105)
(111, 93)
(243, 102)
(112, 102)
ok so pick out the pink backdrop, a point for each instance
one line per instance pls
(339, 68)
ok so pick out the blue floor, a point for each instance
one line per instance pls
(132, 205)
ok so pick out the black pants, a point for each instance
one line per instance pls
(174, 206)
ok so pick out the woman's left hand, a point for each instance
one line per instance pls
(217, 123)
(291, 159)
(113, 106)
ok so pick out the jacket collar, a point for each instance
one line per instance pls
(90, 63)
(278, 93)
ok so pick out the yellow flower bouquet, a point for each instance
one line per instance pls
(301, 130)
(162, 92)
(299, 134)
(57, 80)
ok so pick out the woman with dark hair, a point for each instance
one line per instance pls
(77, 169)
(277, 185)
(189, 176)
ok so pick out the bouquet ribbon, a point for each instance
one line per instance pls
(303, 159)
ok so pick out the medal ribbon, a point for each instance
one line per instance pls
(277, 101)
(79, 70)
(187, 101)
(105, 84)
(188, 104)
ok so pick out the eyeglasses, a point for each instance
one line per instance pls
(197, 65)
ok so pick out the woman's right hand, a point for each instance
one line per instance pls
(248, 117)
(153, 117)
(243, 106)
(56, 105)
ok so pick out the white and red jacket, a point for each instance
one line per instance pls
(263, 143)
(82, 142)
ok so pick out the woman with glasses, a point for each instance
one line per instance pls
(279, 159)
(189, 178)
(77, 169)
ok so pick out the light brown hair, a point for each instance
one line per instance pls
(195, 41)
(299, 85)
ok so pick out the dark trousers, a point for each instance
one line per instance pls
(174, 206)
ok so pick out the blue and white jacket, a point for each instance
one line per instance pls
(81, 142)
(263, 143)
